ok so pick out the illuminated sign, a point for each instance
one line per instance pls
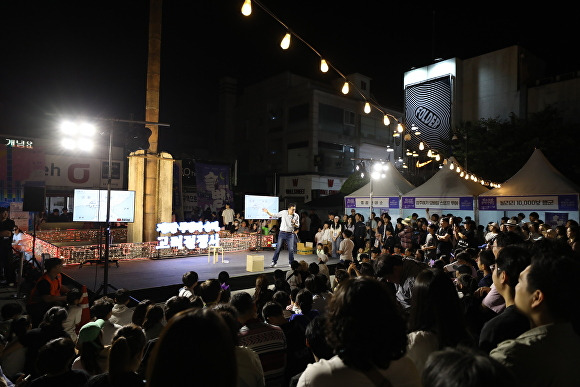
(200, 235)
(19, 143)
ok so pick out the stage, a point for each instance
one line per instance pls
(159, 279)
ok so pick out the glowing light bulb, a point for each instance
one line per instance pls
(285, 43)
(367, 108)
(451, 166)
(400, 128)
(386, 120)
(462, 174)
(421, 145)
(437, 157)
(247, 8)
(323, 66)
(458, 170)
(345, 88)
(429, 153)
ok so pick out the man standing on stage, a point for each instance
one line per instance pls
(228, 217)
(289, 222)
(7, 226)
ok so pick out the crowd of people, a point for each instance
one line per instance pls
(430, 301)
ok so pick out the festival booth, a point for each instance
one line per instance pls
(536, 187)
(384, 193)
(445, 192)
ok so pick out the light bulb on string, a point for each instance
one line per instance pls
(247, 8)
(345, 88)
(451, 166)
(400, 128)
(437, 157)
(429, 153)
(367, 108)
(386, 120)
(421, 146)
(285, 43)
(323, 66)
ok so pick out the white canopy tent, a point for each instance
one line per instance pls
(380, 195)
(446, 191)
(539, 187)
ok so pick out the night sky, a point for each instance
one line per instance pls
(80, 57)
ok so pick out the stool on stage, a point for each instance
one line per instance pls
(254, 263)
(216, 251)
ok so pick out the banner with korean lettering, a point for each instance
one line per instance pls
(378, 202)
(213, 185)
(457, 203)
(530, 203)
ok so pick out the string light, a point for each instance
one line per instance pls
(247, 8)
(367, 108)
(346, 88)
(285, 43)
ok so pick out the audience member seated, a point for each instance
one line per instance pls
(50, 328)
(12, 360)
(75, 311)
(140, 311)
(262, 293)
(436, 317)
(297, 354)
(402, 273)
(210, 292)
(293, 276)
(367, 332)
(189, 280)
(465, 367)
(305, 313)
(121, 313)
(153, 323)
(124, 359)
(210, 359)
(103, 309)
(547, 295)
(54, 364)
(316, 342)
(266, 340)
(93, 354)
(510, 323)
(47, 292)
(224, 279)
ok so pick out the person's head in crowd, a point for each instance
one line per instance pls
(140, 311)
(313, 268)
(126, 351)
(190, 279)
(465, 367)
(294, 265)
(154, 316)
(304, 301)
(293, 294)
(196, 302)
(53, 266)
(18, 327)
(245, 306)
(316, 338)
(282, 298)
(210, 291)
(397, 249)
(273, 313)
(364, 325)
(466, 284)
(210, 359)
(90, 346)
(462, 269)
(504, 239)
(347, 234)
(73, 297)
(340, 275)
(230, 317)
(485, 259)
(56, 356)
(311, 285)
(435, 307)
(53, 318)
(102, 308)
(510, 262)
(390, 267)
(278, 274)
(122, 296)
(446, 259)
(547, 289)
(176, 304)
(366, 268)
(321, 282)
(420, 255)
(375, 253)
(534, 217)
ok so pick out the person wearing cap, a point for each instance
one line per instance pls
(492, 231)
(92, 353)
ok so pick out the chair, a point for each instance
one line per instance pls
(216, 251)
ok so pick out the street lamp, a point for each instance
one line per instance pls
(80, 136)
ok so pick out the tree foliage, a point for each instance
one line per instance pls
(496, 149)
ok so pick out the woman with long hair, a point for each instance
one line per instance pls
(367, 333)
(436, 316)
(262, 293)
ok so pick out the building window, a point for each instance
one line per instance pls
(349, 117)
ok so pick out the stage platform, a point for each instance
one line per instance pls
(159, 279)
